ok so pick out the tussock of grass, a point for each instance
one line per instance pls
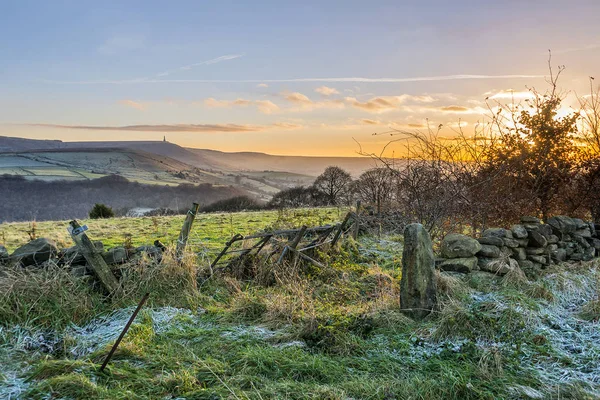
(591, 310)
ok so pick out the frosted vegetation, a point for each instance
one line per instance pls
(335, 334)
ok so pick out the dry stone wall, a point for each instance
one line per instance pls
(530, 246)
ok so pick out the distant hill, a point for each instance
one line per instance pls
(250, 161)
(203, 158)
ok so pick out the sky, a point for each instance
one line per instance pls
(280, 77)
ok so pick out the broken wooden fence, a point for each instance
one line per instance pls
(294, 243)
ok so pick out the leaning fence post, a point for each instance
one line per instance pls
(356, 221)
(92, 256)
(340, 230)
(294, 243)
(185, 230)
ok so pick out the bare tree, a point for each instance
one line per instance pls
(335, 184)
(376, 186)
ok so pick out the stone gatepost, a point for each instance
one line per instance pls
(418, 292)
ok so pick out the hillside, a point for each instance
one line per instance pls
(212, 160)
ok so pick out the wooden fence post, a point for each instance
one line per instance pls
(356, 221)
(185, 230)
(293, 244)
(92, 256)
(340, 230)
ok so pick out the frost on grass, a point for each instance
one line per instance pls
(104, 330)
(12, 383)
(574, 343)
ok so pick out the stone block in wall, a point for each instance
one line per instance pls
(579, 223)
(589, 254)
(552, 247)
(523, 242)
(580, 240)
(536, 239)
(562, 224)
(530, 220)
(464, 265)
(519, 254)
(538, 259)
(489, 251)
(535, 251)
(552, 239)
(491, 240)
(576, 257)
(585, 232)
(505, 251)
(519, 232)
(499, 266)
(497, 232)
(595, 243)
(508, 242)
(559, 255)
(456, 245)
(545, 230)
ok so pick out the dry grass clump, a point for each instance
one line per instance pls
(591, 310)
(46, 297)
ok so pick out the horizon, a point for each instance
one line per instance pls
(307, 79)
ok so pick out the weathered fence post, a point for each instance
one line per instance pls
(92, 256)
(185, 230)
(340, 230)
(356, 221)
(294, 243)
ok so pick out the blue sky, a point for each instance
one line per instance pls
(244, 75)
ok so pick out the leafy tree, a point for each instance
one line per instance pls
(101, 211)
(335, 184)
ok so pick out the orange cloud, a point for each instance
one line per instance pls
(326, 91)
(132, 104)
(303, 103)
(381, 104)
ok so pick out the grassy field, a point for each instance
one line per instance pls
(292, 331)
(209, 230)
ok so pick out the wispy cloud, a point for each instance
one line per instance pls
(262, 85)
(207, 62)
(351, 79)
(580, 48)
(264, 106)
(214, 103)
(326, 91)
(509, 95)
(383, 104)
(132, 104)
(303, 103)
(195, 128)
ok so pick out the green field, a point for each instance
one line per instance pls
(290, 331)
(209, 230)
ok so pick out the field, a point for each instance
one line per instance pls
(209, 230)
(291, 332)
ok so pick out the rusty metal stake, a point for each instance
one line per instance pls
(114, 348)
